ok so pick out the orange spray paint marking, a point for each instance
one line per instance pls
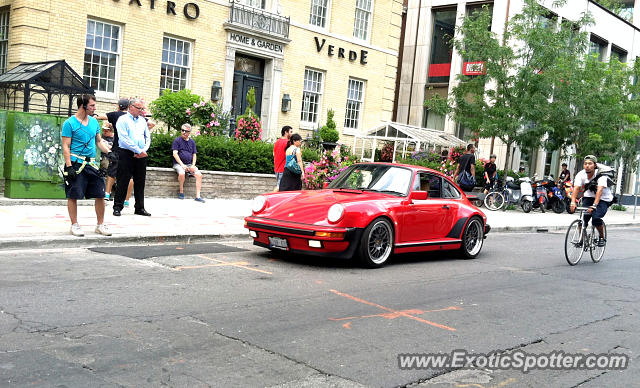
(347, 325)
(393, 313)
(233, 264)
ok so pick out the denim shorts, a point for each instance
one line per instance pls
(278, 178)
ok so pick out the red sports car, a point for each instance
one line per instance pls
(372, 210)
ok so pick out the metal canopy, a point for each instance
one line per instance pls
(37, 86)
(406, 138)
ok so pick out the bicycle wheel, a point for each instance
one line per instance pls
(574, 243)
(494, 200)
(596, 251)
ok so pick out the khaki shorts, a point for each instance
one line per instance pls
(181, 171)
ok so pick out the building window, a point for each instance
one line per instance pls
(311, 95)
(318, 15)
(598, 46)
(101, 55)
(444, 24)
(176, 64)
(255, 3)
(618, 53)
(355, 98)
(363, 17)
(4, 39)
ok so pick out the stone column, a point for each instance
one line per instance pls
(227, 87)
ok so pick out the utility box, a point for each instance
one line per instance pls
(33, 156)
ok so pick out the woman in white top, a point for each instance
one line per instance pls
(292, 180)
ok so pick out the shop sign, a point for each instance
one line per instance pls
(190, 10)
(473, 68)
(256, 43)
(341, 52)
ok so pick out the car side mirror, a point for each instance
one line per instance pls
(325, 185)
(418, 196)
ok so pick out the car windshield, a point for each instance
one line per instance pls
(374, 177)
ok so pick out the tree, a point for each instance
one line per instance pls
(510, 101)
(171, 107)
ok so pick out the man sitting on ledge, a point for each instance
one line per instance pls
(184, 153)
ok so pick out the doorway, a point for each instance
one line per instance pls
(248, 73)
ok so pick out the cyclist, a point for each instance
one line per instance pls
(597, 195)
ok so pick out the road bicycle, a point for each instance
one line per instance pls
(580, 239)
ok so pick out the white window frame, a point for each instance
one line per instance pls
(327, 16)
(189, 67)
(320, 92)
(352, 130)
(367, 36)
(4, 38)
(100, 94)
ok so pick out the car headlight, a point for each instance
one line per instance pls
(335, 213)
(259, 203)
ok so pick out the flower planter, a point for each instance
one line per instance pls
(329, 146)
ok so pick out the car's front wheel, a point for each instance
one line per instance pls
(472, 239)
(376, 243)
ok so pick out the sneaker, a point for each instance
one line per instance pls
(126, 203)
(103, 230)
(199, 199)
(76, 230)
(180, 195)
(601, 242)
(107, 196)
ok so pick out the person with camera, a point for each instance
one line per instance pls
(80, 136)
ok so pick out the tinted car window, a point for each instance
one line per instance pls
(448, 190)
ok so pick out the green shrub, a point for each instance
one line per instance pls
(216, 153)
(171, 107)
(618, 207)
(310, 154)
(329, 133)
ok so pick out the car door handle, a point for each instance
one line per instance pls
(445, 206)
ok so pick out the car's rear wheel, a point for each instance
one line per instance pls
(472, 239)
(376, 243)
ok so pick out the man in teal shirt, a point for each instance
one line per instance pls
(80, 135)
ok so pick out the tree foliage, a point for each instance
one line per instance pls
(541, 88)
(171, 107)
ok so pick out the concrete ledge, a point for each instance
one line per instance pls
(163, 182)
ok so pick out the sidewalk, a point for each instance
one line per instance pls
(44, 223)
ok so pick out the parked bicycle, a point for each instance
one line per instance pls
(511, 193)
(580, 239)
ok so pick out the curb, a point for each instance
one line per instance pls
(546, 229)
(92, 241)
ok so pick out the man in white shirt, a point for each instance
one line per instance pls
(597, 199)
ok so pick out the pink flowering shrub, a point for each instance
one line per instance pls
(249, 127)
(326, 169)
(209, 117)
(386, 154)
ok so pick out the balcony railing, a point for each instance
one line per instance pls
(259, 20)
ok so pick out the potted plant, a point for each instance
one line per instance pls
(328, 133)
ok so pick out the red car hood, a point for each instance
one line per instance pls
(311, 206)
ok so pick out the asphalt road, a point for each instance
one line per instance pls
(214, 315)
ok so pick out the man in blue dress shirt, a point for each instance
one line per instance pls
(133, 142)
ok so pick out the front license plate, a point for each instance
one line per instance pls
(278, 243)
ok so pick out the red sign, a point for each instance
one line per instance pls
(473, 68)
(439, 69)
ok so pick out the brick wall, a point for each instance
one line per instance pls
(163, 182)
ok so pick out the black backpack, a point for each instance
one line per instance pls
(603, 170)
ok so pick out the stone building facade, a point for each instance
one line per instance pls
(320, 54)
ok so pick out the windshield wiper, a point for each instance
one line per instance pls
(347, 190)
